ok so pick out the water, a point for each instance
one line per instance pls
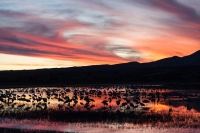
(101, 108)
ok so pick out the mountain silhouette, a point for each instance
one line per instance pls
(190, 60)
(168, 70)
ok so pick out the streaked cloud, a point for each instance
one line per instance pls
(98, 32)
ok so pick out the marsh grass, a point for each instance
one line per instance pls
(149, 118)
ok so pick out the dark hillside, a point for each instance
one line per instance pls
(169, 70)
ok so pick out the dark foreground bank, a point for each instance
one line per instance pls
(12, 130)
(100, 75)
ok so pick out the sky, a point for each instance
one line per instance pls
(64, 33)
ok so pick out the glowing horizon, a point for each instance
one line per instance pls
(65, 33)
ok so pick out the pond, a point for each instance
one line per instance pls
(130, 108)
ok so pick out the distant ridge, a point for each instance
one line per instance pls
(168, 70)
(189, 60)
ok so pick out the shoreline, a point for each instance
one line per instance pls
(6, 86)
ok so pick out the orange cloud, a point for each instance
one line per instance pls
(100, 32)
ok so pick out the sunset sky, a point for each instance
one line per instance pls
(64, 33)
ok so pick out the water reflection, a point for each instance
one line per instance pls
(109, 99)
(113, 104)
(52, 127)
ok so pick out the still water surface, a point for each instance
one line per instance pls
(101, 108)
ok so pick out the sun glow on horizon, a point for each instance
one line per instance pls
(69, 33)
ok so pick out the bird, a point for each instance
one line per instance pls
(132, 105)
(124, 103)
(142, 104)
(105, 102)
(170, 110)
(146, 101)
(27, 108)
(118, 102)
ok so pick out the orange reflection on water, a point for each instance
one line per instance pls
(114, 98)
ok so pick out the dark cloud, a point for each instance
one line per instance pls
(50, 50)
(187, 21)
(182, 11)
(36, 51)
(37, 25)
(28, 23)
(65, 54)
(11, 43)
(21, 51)
(87, 29)
(13, 14)
(12, 39)
(39, 28)
(18, 40)
(190, 25)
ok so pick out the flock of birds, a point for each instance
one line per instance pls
(116, 98)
